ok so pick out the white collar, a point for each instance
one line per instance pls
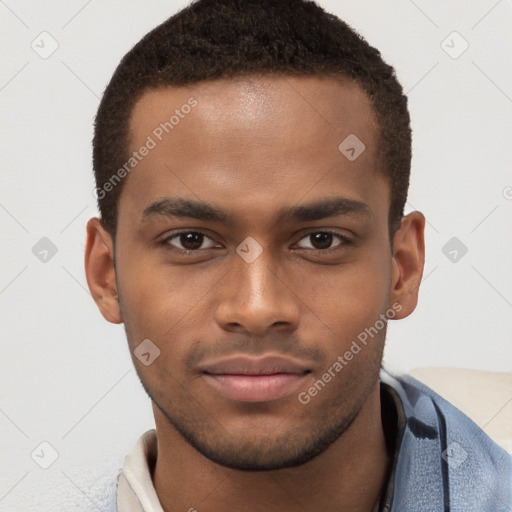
(135, 489)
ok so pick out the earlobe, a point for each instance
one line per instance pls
(407, 263)
(100, 272)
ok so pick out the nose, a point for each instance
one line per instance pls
(256, 299)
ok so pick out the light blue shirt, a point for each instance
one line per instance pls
(444, 461)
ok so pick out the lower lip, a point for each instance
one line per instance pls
(255, 388)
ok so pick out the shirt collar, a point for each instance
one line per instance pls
(137, 473)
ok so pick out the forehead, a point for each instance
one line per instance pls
(260, 138)
(258, 104)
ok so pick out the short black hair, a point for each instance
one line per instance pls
(216, 39)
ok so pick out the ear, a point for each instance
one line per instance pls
(100, 272)
(407, 263)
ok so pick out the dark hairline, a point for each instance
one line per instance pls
(183, 51)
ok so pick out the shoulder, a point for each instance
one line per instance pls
(445, 453)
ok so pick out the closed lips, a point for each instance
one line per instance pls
(268, 365)
(247, 379)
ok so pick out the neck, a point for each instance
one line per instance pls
(348, 476)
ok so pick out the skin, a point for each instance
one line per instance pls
(251, 147)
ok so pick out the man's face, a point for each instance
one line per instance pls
(264, 153)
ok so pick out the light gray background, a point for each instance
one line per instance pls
(66, 374)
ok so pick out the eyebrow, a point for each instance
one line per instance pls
(180, 207)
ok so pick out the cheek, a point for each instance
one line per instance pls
(157, 301)
(348, 298)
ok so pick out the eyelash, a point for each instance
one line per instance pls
(344, 241)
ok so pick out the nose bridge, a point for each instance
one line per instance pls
(255, 298)
(259, 281)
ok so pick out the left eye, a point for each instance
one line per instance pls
(321, 240)
(190, 241)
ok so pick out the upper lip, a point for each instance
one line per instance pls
(246, 365)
